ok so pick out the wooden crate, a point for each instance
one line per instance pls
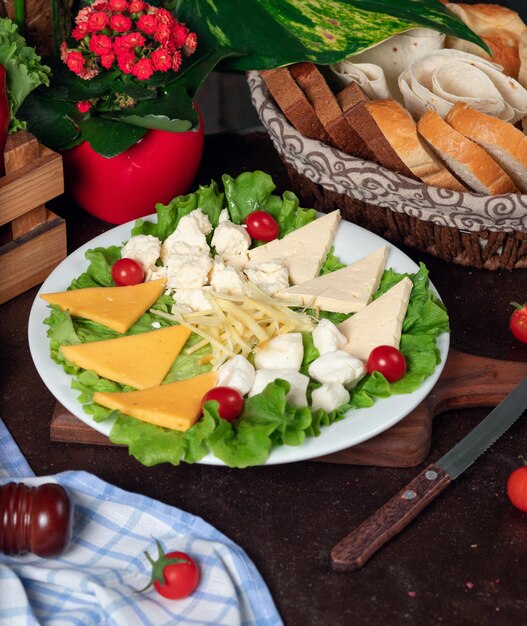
(32, 238)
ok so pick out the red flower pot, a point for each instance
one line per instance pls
(157, 168)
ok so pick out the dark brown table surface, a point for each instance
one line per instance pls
(462, 561)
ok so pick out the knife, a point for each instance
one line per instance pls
(356, 548)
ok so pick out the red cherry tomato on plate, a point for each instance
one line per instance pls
(127, 272)
(262, 226)
(517, 488)
(389, 361)
(175, 575)
(230, 402)
(518, 322)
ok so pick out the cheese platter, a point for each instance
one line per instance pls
(290, 367)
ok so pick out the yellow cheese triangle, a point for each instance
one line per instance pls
(347, 290)
(140, 361)
(117, 308)
(380, 323)
(176, 405)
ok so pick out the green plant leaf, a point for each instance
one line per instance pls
(191, 76)
(67, 86)
(322, 31)
(108, 137)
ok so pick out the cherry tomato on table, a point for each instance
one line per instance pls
(175, 575)
(127, 272)
(389, 361)
(230, 402)
(262, 226)
(518, 322)
(517, 488)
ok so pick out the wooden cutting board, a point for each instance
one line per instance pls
(466, 382)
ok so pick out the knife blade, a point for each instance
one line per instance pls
(356, 548)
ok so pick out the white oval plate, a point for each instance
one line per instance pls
(351, 243)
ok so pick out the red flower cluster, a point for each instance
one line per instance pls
(129, 35)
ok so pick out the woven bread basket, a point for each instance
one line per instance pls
(464, 228)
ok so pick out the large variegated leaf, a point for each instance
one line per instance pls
(272, 33)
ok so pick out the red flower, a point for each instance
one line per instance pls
(179, 34)
(64, 50)
(176, 60)
(117, 5)
(125, 61)
(97, 21)
(83, 15)
(191, 44)
(80, 31)
(133, 40)
(100, 44)
(75, 62)
(84, 106)
(143, 69)
(120, 23)
(161, 59)
(136, 6)
(148, 24)
(165, 17)
(120, 45)
(107, 60)
(162, 34)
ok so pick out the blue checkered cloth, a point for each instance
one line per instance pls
(96, 580)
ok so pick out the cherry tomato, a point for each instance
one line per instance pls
(174, 575)
(262, 226)
(517, 488)
(518, 322)
(127, 272)
(230, 402)
(389, 361)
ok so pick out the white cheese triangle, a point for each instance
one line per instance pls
(379, 324)
(347, 290)
(304, 250)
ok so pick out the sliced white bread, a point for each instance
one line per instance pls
(400, 130)
(505, 143)
(469, 162)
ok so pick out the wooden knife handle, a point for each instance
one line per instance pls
(356, 548)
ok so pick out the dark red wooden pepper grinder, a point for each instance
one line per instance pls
(35, 519)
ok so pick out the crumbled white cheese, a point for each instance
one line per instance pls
(327, 337)
(281, 352)
(224, 216)
(337, 367)
(190, 233)
(226, 278)
(237, 373)
(297, 381)
(329, 397)
(201, 219)
(230, 239)
(269, 276)
(144, 249)
(158, 271)
(239, 261)
(156, 325)
(191, 299)
(185, 271)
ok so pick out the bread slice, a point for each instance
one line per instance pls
(326, 107)
(400, 130)
(294, 104)
(469, 162)
(505, 143)
(359, 118)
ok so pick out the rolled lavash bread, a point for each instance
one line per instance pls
(469, 162)
(294, 104)
(505, 143)
(400, 130)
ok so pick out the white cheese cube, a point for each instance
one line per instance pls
(230, 239)
(270, 276)
(281, 352)
(327, 337)
(237, 373)
(297, 381)
(329, 397)
(144, 249)
(185, 271)
(191, 299)
(226, 278)
(337, 367)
